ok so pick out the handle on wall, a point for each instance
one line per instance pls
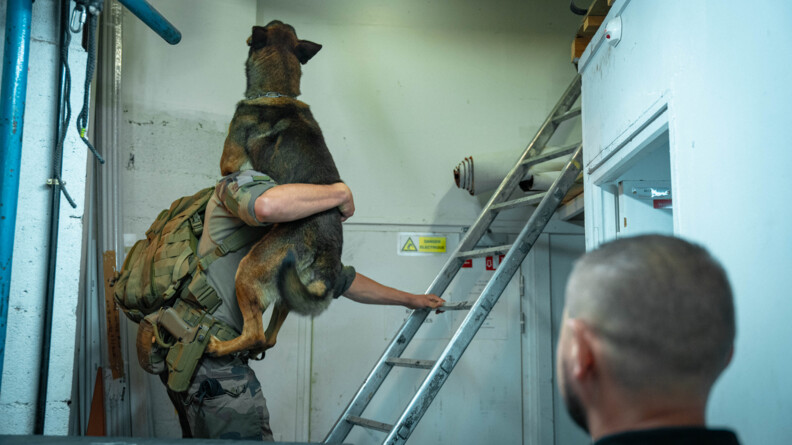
(153, 19)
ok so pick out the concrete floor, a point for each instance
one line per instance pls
(73, 440)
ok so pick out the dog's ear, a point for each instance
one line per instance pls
(258, 38)
(305, 50)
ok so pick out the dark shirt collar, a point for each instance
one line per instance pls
(675, 436)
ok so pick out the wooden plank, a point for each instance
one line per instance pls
(592, 23)
(579, 44)
(111, 314)
(599, 7)
(96, 418)
(571, 208)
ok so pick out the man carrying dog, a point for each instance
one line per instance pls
(648, 327)
(224, 399)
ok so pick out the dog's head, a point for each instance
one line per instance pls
(275, 56)
(280, 36)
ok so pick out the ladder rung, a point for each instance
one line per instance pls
(568, 115)
(524, 201)
(371, 424)
(478, 253)
(411, 362)
(459, 306)
(550, 154)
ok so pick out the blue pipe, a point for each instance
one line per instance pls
(151, 17)
(12, 113)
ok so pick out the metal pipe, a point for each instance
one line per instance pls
(108, 235)
(12, 113)
(60, 127)
(151, 17)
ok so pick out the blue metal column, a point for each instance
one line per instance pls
(12, 112)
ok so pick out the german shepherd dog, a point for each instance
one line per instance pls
(296, 264)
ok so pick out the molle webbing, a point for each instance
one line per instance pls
(193, 316)
(156, 268)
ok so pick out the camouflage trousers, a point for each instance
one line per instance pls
(224, 401)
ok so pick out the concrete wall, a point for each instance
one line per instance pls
(28, 281)
(722, 69)
(403, 92)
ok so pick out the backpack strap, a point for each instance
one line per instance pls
(237, 240)
(199, 289)
(180, 269)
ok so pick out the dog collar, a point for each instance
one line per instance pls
(268, 94)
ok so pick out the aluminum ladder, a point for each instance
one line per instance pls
(440, 369)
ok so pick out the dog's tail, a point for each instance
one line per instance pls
(312, 299)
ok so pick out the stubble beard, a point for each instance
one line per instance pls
(573, 404)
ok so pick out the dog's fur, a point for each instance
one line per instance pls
(296, 264)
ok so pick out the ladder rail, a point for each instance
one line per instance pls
(549, 126)
(482, 307)
(407, 332)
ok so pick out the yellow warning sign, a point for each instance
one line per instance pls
(409, 246)
(422, 244)
(433, 244)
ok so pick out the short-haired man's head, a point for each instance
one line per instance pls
(663, 309)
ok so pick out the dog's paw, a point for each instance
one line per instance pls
(213, 348)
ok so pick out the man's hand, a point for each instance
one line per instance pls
(429, 301)
(365, 290)
(347, 206)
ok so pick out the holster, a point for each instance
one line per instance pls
(183, 331)
(151, 355)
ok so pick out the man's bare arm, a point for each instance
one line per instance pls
(366, 290)
(290, 202)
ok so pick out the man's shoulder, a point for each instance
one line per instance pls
(241, 179)
(237, 193)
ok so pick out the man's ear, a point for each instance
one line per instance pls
(258, 37)
(305, 50)
(581, 348)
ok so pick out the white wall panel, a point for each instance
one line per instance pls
(728, 99)
(405, 90)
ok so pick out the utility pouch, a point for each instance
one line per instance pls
(151, 353)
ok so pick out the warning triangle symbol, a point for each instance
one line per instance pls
(409, 246)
